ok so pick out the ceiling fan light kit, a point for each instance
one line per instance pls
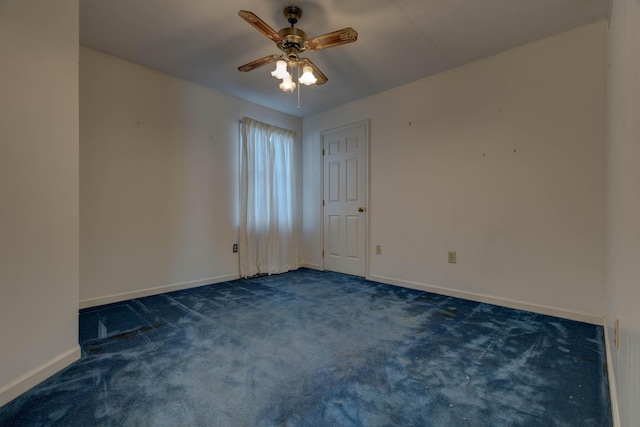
(292, 41)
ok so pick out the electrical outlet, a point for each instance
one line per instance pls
(235, 248)
(616, 334)
(451, 257)
(378, 249)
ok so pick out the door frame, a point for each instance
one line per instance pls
(362, 123)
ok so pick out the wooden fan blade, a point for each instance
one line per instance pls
(336, 38)
(260, 25)
(322, 79)
(259, 63)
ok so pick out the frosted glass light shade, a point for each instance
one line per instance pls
(287, 85)
(307, 77)
(281, 71)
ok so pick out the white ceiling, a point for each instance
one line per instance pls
(399, 41)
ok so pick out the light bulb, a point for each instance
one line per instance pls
(287, 85)
(307, 77)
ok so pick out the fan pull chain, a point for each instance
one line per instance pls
(298, 84)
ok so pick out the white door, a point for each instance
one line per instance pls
(345, 199)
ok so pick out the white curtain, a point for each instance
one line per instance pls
(268, 229)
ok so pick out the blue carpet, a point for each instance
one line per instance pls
(311, 348)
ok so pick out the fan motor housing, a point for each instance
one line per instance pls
(292, 38)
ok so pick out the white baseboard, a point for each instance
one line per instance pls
(311, 266)
(35, 376)
(540, 309)
(613, 391)
(123, 296)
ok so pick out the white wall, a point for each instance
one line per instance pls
(502, 161)
(38, 191)
(623, 204)
(159, 179)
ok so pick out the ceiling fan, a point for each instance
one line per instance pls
(292, 41)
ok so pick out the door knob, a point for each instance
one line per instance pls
(361, 209)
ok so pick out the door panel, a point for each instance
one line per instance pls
(352, 237)
(345, 214)
(352, 180)
(334, 236)
(334, 182)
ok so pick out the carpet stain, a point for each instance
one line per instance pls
(447, 314)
